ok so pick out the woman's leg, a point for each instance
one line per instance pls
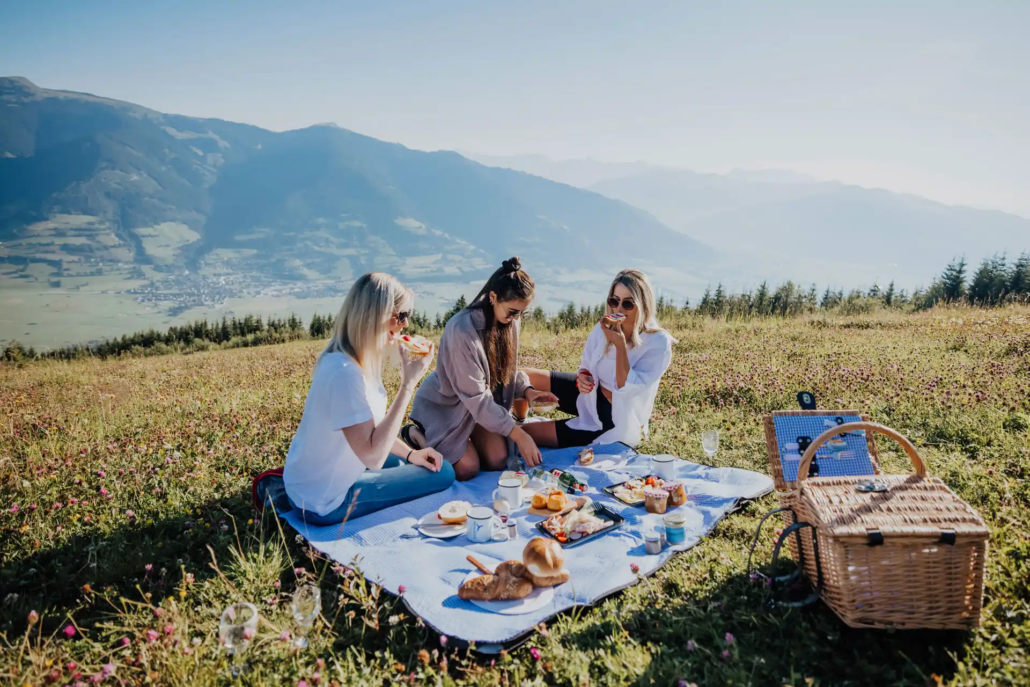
(538, 379)
(467, 466)
(542, 432)
(492, 449)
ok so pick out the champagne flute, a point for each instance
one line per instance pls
(306, 605)
(236, 629)
(710, 441)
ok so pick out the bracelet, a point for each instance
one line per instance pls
(410, 451)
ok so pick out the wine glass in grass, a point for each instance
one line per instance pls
(306, 605)
(236, 630)
(710, 442)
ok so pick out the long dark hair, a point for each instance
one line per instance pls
(508, 283)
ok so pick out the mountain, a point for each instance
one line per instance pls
(779, 224)
(90, 184)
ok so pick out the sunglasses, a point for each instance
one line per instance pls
(514, 314)
(613, 302)
(402, 317)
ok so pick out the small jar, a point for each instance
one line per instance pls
(677, 494)
(656, 500)
(675, 528)
(652, 543)
(513, 530)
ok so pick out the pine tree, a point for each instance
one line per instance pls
(953, 281)
(762, 299)
(1019, 277)
(888, 295)
(989, 282)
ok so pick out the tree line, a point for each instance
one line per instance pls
(995, 282)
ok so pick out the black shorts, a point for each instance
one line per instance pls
(563, 385)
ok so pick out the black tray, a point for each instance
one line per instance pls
(601, 511)
(611, 492)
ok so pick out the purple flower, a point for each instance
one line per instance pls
(96, 678)
(401, 589)
(152, 636)
(302, 683)
(690, 645)
(535, 653)
(725, 654)
(14, 509)
(443, 640)
(730, 639)
(68, 631)
(124, 641)
(107, 670)
(169, 629)
(284, 636)
(148, 567)
(100, 473)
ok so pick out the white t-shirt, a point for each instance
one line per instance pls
(606, 369)
(321, 466)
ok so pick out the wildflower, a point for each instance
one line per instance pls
(107, 670)
(691, 646)
(298, 571)
(103, 491)
(535, 653)
(302, 683)
(725, 654)
(96, 678)
(124, 641)
(277, 584)
(69, 631)
(72, 665)
(248, 633)
(32, 506)
(543, 629)
(634, 567)
(152, 636)
(130, 514)
(100, 473)
(320, 663)
(189, 578)
(14, 509)
(148, 567)
(33, 617)
(730, 639)
(394, 619)
(316, 678)
(169, 629)
(443, 640)
(284, 636)
(401, 589)
(72, 501)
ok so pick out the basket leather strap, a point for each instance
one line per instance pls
(814, 595)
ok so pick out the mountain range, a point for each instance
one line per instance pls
(90, 183)
(781, 224)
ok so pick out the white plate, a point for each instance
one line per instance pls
(539, 598)
(446, 532)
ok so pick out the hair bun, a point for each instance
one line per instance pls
(512, 265)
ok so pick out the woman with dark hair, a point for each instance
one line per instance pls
(463, 409)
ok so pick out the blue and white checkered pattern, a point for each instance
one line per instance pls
(432, 569)
(852, 460)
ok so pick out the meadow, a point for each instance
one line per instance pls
(126, 524)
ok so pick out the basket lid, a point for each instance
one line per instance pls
(911, 506)
(783, 428)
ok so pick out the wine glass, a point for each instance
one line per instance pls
(306, 605)
(710, 441)
(236, 629)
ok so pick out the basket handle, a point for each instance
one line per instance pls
(806, 460)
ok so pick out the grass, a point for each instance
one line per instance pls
(133, 525)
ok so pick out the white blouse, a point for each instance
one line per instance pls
(633, 403)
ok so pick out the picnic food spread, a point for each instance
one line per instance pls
(508, 581)
(454, 512)
(575, 525)
(632, 491)
(415, 346)
(557, 500)
(539, 500)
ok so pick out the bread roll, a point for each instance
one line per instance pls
(544, 563)
(507, 582)
(539, 500)
(556, 501)
(454, 512)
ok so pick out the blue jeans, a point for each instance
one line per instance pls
(396, 482)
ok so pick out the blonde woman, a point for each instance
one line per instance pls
(345, 460)
(612, 395)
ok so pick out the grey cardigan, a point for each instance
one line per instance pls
(458, 395)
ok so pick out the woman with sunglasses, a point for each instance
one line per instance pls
(345, 460)
(622, 364)
(463, 409)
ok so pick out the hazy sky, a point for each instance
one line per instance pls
(927, 97)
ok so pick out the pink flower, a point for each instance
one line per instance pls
(96, 678)
(320, 663)
(68, 631)
(148, 567)
(298, 571)
(72, 501)
(634, 567)
(277, 584)
(107, 670)
(152, 636)
(248, 633)
(124, 641)
(401, 589)
(189, 578)
(690, 645)
(535, 653)
(130, 514)
(100, 473)
(302, 683)
(72, 665)
(169, 629)
(33, 617)
(443, 640)
(32, 507)
(725, 654)
(103, 491)
(14, 509)
(730, 639)
(284, 636)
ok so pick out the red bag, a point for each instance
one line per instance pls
(258, 504)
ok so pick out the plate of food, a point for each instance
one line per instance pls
(450, 521)
(581, 525)
(631, 492)
(517, 587)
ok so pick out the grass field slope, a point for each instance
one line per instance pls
(125, 523)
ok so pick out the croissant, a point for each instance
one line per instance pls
(506, 583)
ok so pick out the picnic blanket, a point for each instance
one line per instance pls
(431, 570)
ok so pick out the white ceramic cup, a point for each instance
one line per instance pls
(664, 466)
(510, 490)
(482, 524)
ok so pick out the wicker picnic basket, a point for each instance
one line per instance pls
(910, 557)
(787, 488)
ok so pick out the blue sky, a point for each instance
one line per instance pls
(926, 97)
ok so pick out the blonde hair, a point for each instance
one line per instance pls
(639, 286)
(362, 324)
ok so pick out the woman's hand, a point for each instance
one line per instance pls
(414, 369)
(527, 447)
(585, 382)
(535, 395)
(428, 458)
(614, 334)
